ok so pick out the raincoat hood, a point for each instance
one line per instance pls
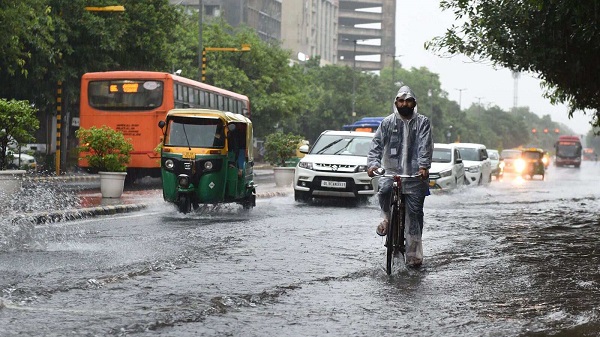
(404, 92)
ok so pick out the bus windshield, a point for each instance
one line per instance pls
(569, 150)
(125, 95)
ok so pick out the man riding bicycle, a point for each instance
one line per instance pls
(403, 144)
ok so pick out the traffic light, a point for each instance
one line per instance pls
(546, 130)
(534, 130)
(556, 130)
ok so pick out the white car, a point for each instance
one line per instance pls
(497, 164)
(447, 169)
(335, 166)
(22, 161)
(478, 167)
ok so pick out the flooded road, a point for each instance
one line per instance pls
(518, 257)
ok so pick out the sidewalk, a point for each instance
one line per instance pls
(89, 202)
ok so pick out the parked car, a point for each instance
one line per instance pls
(497, 164)
(335, 166)
(23, 161)
(478, 167)
(511, 159)
(447, 169)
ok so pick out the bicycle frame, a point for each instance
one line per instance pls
(394, 240)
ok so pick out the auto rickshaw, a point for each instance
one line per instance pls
(206, 158)
(533, 163)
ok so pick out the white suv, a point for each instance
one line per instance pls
(447, 169)
(335, 166)
(478, 167)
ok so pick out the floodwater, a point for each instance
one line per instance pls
(517, 257)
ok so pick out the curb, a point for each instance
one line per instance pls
(74, 214)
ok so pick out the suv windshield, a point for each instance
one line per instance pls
(342, 145)
(441, 155)
(469, 154)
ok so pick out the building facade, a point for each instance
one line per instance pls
(367, 33)
(309, 29)
(357, 33)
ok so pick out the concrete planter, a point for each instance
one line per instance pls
(284, 176)
(112, 183)
(10, 183)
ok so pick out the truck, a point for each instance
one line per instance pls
(568, 151)
(366, 124)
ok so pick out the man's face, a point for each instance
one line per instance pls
(401, 102)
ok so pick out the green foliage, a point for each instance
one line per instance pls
(559, 40)
(18, 123)
(105, 149)
(281, 147)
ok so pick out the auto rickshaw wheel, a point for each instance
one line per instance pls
(184, 204)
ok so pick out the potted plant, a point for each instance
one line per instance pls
(280, 148)
(108, 152)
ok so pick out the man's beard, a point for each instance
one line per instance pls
(406, 111)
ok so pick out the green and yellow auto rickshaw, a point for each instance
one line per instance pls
(206, 158)
(533, 162)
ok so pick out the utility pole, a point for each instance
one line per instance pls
(354, 80)
(201, 54)
(479, 105)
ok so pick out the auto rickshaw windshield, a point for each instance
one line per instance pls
(195, 132)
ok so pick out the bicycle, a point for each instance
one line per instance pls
(394, 239)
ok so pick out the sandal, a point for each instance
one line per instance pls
(382, 228)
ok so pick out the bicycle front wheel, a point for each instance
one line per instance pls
(391, 240)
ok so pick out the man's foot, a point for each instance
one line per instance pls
(414, 263)
(382, 228)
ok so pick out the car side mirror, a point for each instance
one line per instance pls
(303, 148)
(458, 160)
(161, 124)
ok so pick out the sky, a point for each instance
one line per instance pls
(418, 21)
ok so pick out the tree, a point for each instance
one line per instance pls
(18, 122)
(559, 40)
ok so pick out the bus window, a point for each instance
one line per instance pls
(202, 99)
(212, 102)
(220, 98)
(125, 94)
(185, 97)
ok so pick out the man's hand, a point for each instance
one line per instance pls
(424, 173)
(371, 171)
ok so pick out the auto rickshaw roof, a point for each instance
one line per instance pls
(226, 116)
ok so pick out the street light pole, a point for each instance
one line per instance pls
(460, 97)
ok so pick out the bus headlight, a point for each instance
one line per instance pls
(208, 165)
(169, 164)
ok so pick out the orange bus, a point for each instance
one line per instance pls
(134, 101)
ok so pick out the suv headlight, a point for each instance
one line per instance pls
(305, 165)
(361, 168)
(473, 169)
(446, 173)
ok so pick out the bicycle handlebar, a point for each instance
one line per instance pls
(380, 172)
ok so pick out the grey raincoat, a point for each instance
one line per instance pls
(402, 146)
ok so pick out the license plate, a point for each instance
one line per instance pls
(333, 184)
(188, 155)
(431, 183)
